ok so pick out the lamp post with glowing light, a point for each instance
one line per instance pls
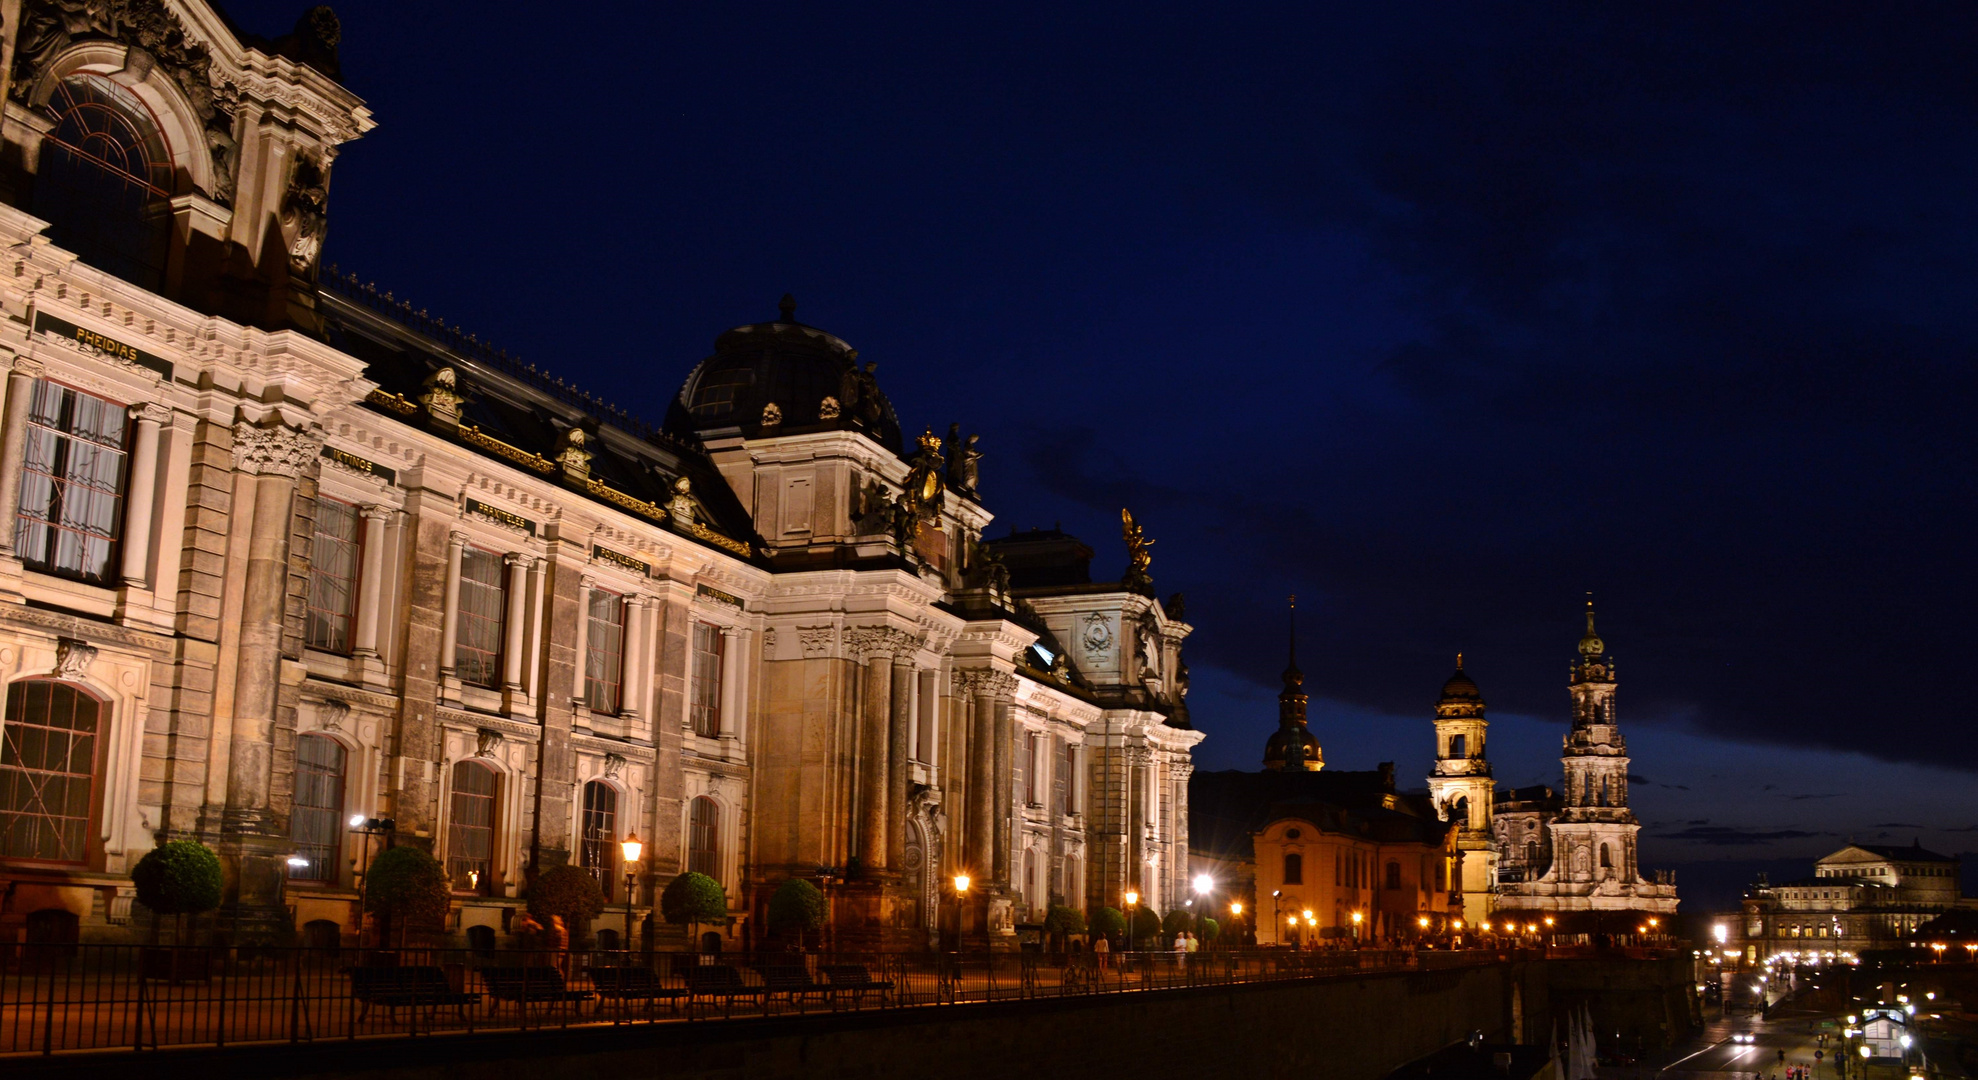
(1132, 908)
(1236, 919)
(1356, 929)
(630, 848)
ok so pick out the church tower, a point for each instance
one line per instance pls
(1461, 787)
(1292, 748)
(1598, 828)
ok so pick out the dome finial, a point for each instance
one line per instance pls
(786, 309)
(1590, 644)
(1294, 634)
(1459, 661)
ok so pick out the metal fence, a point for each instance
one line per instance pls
(56, 998)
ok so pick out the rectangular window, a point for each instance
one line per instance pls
(72, 483)
(604, 652)
(483, 611)
(470, 829)
(706, 705)
(703, 842)
(334, 557)
(316, 822)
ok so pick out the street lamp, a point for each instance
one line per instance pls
(1356, 927)
(1132, 908)
(630, 848)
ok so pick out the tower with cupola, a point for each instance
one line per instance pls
(1461, 786)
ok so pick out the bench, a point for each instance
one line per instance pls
(856, 979)
(791, 980)
(528, 985)
(394, 987)
(718, 980)
(625, 984)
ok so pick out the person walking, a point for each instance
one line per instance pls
(1104, 951)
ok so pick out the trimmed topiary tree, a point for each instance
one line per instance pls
(692, 899)
(1177, 921)
(795, 909)
(1146, 926)
(1109, 921)
(406, 887)
(178, 878)
(1208, 929)
(569, 893)
(1061, 922)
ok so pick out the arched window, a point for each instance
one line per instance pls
(105, 178)
(1606, 858)
(1441, 876)
(48, 762)
(470, 828)
(1393, 875)
(1294, 870)
(599, 833)
(316, 822)
(1531, 855)
(1456, 746)
(703, 837)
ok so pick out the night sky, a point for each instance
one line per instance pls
(1437, 315)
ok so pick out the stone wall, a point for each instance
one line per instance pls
(1337, 1029)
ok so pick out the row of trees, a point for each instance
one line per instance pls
(407, 889)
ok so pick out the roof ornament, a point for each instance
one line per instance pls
(574, 454)
(442, 398)
(786, 309)
(1138, 558)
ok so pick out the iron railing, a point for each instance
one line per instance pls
(56, 998)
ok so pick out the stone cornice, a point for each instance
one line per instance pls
(274, 451)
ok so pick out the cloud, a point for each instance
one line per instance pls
(1637, 778)
(1799, 798)
(1732, 836)
(1897, 825)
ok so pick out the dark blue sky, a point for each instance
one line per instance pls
(1438, 315)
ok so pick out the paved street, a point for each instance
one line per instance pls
(1715, 1055)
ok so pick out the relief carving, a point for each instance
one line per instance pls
(72, 658)
(486, 740)
(274, 451)
(818, 641)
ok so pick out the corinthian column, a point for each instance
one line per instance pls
(517, 623)
(251, 839)
(143, 489)
(370, 583)
(897, 737)
(983, 688)
(13, 445)
(874, 742)
(1005, 765)
(450, 619)
(580, 693)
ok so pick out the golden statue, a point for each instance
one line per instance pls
(1137, 556)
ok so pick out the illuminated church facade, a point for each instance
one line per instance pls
(294, 568)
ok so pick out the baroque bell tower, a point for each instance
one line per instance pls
(1600, 828)
(1462, 789)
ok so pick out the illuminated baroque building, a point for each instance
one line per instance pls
(1864, 896)
(1576, 852)
(287, 552)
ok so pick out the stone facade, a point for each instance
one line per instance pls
(342, 561)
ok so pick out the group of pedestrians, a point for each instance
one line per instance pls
(1185, 942)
